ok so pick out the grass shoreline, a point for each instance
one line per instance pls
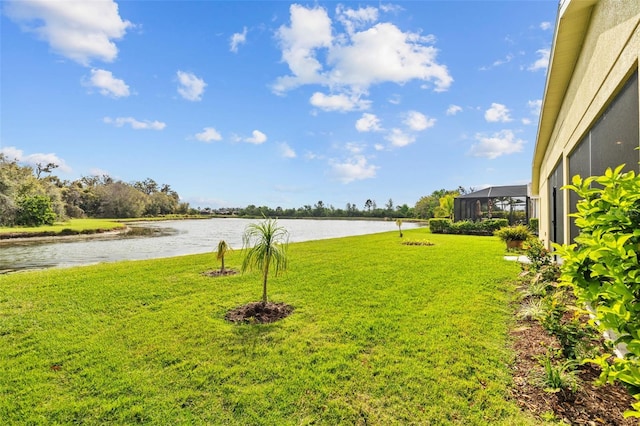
(101, 226)
(382, 333)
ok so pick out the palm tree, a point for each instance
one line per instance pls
(270, 247)
(447, 206)
(399, 223)
(223, 248)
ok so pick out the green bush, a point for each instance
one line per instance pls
(538, 254)
(514, 233)
(485, 227)
(439, 226)
(603, 268)
(36, 210)
(534, 224)
(493, 225)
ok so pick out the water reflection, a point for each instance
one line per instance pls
(167, 239)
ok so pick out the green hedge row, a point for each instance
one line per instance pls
(485, 227)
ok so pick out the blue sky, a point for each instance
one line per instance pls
(277, 103)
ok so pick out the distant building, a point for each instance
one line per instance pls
(510, 202)
(590, 110)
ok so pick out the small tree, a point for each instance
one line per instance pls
(399, 223)
(223, 249)
(270, 243)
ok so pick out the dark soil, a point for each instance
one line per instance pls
(219, 273)
(589, 405)
(258, 312)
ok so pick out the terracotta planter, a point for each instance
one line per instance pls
(514, 244)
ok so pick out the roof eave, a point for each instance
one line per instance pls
(571, 27)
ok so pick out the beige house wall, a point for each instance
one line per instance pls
(607, 57)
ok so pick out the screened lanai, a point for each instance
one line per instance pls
(495, 202)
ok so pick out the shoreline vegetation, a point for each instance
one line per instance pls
(88, 228)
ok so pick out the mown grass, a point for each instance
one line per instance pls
(75, 225)
(382, 333)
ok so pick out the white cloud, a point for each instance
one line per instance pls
(208, 134)
(78, 30)
(399, 138)
(368, 123)
(383, 53)
(354, 148)
(237, 39)
(353, 19)
(542, 62)
(190, 87)
(497, 113)
(535, 106)
(499, 62)
(286, 151)
(94, 171)
(312, 156)
(107, 84)
(310, 30)
(546, 25)
(13, 153)
(135, 124)
(378, 147)
(453, 109)
(355, 168)
(418, 122)
(342, 102)
(500, 143)
(395, 99)
(526, 121)
(357, 59)
(257, 137)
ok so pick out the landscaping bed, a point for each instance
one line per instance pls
(589, 405)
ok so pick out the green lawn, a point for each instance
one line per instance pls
(382, 333)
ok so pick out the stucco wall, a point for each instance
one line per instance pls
(609, 55)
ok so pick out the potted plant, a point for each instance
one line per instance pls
(514, 236)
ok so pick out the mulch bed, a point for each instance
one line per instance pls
(590, 405)
(219, 273)
(258, 312)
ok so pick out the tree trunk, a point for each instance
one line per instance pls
(222, 265)
(264, 283)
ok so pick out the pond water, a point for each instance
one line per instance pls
(171, 238)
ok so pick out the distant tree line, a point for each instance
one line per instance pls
(438, 204)
(32, 196)
(320, 209)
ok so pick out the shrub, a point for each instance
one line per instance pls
(537, 254)
(534, 225)
(35, 211)
(513, 233)
(493, 225)
(559, 377)
(603, 268)
(532, 309)
(485, 227)
(439, 226)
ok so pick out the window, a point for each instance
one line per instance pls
(610, 142)
(556, 205)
